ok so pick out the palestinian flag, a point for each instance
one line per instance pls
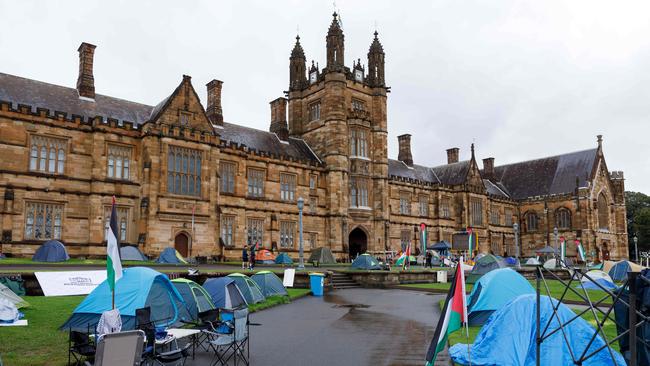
(113, 263)
(407, 255)
(454, 313)
(581, 251)
(423, 238)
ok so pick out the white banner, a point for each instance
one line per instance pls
(289, 274)
(65, 283)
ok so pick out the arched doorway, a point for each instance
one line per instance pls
(182, 243)
(358, 242)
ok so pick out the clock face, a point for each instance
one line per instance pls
(358, 75)
(312, 77)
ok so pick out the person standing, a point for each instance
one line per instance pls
(252, 257)
(244, 258)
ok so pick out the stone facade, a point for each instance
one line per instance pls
(184, 177)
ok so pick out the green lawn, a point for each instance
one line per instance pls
(41, 343)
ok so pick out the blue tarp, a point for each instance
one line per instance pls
(283, 258)
(51, 251)
(492, 291)
(139, 287)
(366, 261)
(508, 338)
(170, 255)
(269, 283)
(224, 293)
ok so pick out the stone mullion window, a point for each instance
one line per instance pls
(255, 183)
(358, 142)
(531, 221)
(508, 216)
(314, 111)
(358, 192)
(43, 221)
(358, 105)
(445, 211)
(47, 154)
(424, 205)
(477, 212)
(119, 162)
(227, 230)
(563, 218)
(122, 222)
(495, 218)
(227, 175)
(254, 231)
(184, 171)
(405, 204)
(287, 232)
(287, 187)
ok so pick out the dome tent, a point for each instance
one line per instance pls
(264, 256)
(51, 251)
(131, 253)
(322, 255)
(492, 291)
(139, 287)
(224, 293)
(269, 283)
(484, 265)
(366, 262)
(172, 256)
(248, 288)
(195, 296)
(283, 258)
(7, 294)
(619, 271)
(597, 277)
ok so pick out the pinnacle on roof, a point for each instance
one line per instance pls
(335, 27)
(297, 51)
(375, 46)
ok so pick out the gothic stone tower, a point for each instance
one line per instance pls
(341, 113)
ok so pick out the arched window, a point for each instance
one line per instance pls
(531, 221)
(563, 218)
(603, 212)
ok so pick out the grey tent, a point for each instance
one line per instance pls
(322, 255)
(269, 283)
(7, 294)
(484, 265)
(131, 253)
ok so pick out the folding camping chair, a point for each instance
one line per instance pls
(150, 354)
(80, 347)
(119, 349)
(229, 339)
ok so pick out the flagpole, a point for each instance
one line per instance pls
(465, 318)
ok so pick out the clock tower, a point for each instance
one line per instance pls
(341, 113)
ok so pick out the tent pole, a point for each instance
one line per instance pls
(113, 298)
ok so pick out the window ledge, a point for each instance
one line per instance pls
(364, 208)
(359, 157)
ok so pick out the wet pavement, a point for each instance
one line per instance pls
(345, 327)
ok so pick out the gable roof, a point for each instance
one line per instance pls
(453, 174)
(546, 176)
(37, 94)
(267, 142)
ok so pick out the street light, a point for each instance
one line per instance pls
(301, 205)
(636, 248)
(556, 249)
(515, 227)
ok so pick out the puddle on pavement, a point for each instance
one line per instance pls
(352, 306)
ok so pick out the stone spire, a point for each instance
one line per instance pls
(376, 63)
(297, 67)
(335, 45)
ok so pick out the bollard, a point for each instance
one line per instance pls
(631, 278)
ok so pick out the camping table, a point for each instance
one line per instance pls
(179, 333)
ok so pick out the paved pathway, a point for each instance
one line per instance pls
(346, 327)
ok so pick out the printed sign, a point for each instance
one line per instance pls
(289, 274)
(66, 283)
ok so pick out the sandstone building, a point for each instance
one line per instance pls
(183, 176)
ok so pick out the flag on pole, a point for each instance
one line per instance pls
(423, 238)
(562, 248)
(454, 313)
(581, 250)
(407, 255)
(113, 263)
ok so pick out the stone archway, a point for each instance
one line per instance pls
(182, 243)
(358, 242)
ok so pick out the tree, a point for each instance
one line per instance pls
(638, 219)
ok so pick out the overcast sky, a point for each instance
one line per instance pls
(522, 79)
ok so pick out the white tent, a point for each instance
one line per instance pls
(533, 261)
(7, 294)
(596, 275)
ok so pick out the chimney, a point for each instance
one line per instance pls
(279, 118)
(488, 168)
(405, 149)
(86, 81)
(452, 155)
(214, 112)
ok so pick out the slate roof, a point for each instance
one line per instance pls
(418, 172)
(452, 174)
(494, 189)
(267, 142)
(18, 90)
(546, 176)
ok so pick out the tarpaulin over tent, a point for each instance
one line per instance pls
(619, 271)
(131, 253)
(366, 261)
(269, 283)
(195, 296)
(171, 255)
(508, 337)
(224, 293)
(248, 288)
(7, 294)
(283, 258)
(51, 251)
(139, 287)
(492, 291)
(322, 255)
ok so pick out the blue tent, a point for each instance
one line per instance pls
(139, 287)
(590, 285)
(269, 283)
(195, 296)
(170, 255)
(492, 291)
(248, 288)
(619, 271)
(366, 261)
(51, 251)
(283, 258)
(508, 337)
(224, 293)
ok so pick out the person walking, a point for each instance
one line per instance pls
(244, 258)
(252, 257)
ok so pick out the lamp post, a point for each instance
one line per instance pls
(556, 248)
(548, 233)
(636, 248)
(301, 205)
(515, 227)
